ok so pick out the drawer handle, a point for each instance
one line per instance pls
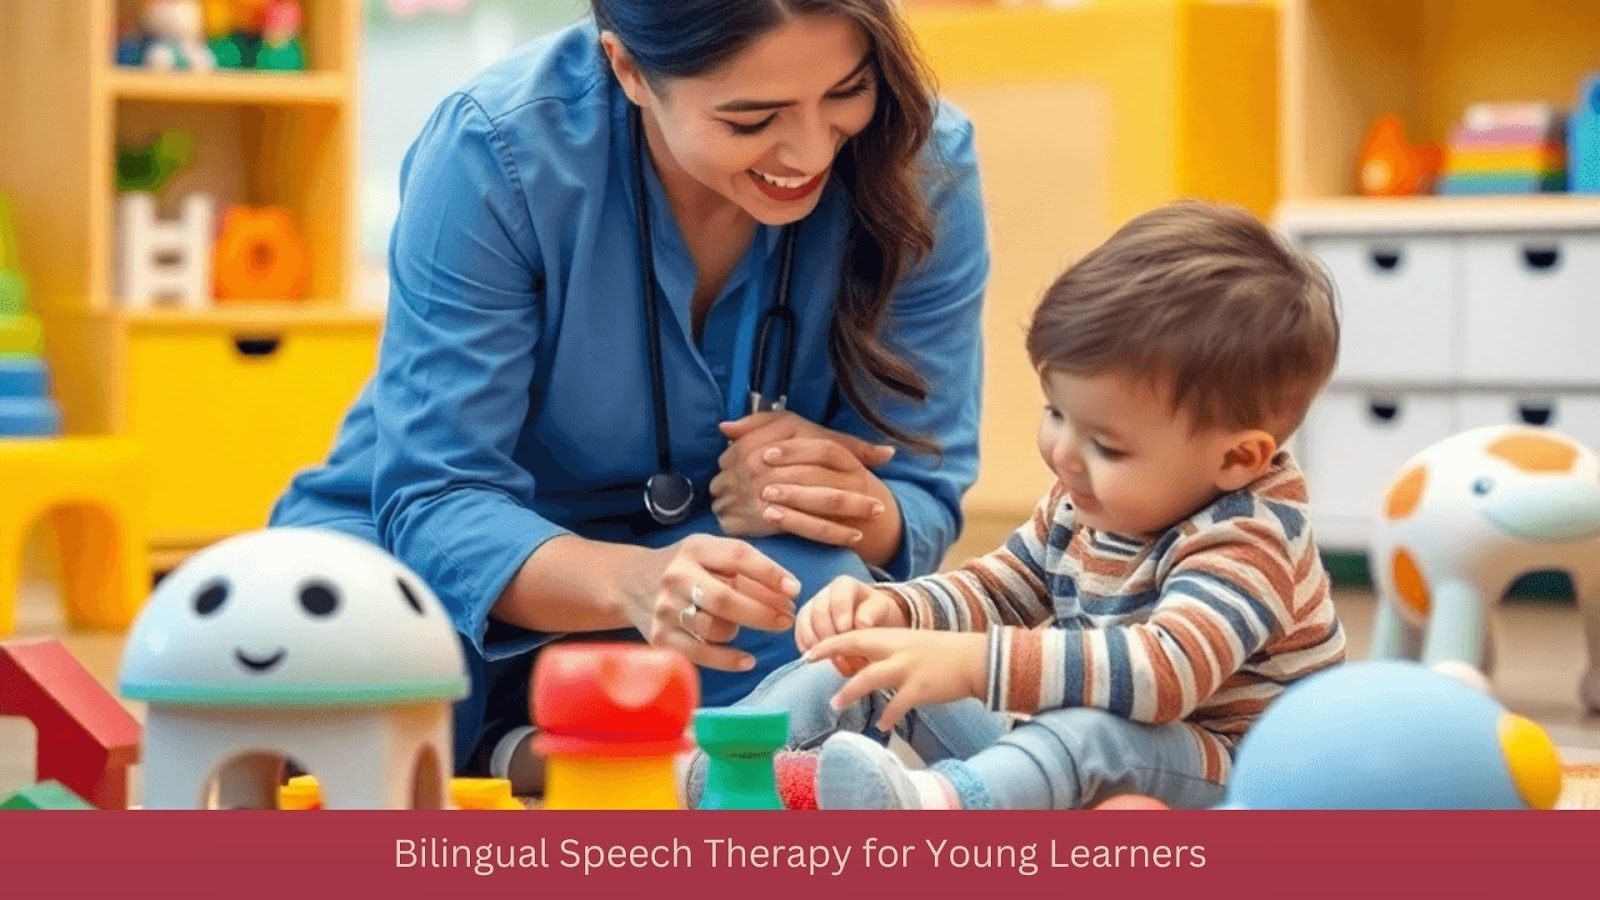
(1541, 259)
(1536, 413)
(257, 346)
(1384, 410)
(1386, 260)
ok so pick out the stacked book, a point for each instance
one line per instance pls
(1507, 148)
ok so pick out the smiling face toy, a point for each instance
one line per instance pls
(295, 643)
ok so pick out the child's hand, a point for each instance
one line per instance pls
(843, 606)
(920, 667)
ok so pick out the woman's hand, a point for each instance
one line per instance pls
(845, 605)
(919, 667)
(695, 595)
(784, 474)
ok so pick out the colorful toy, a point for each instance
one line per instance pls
(26, 407)
(51, 795)
(611, 719)
(295, 643)
(1507, 148)
(1463, 520)
(175, 36)
(259, 256)
(148, 168)
(164, 260)
(740, 743)
(86, 740)
(92, 495)
(1392, 166)
(1392, 735)
(303, 792)
(796, 773)
(1583, 139)
(281, 48)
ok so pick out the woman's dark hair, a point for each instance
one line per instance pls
(891, 226)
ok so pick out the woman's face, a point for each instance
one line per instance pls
(764, 129)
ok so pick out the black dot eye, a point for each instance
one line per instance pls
(319, 599)
(412, 600)
(1483, 486)
(211, 598)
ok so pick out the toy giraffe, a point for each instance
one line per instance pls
(1466, 518)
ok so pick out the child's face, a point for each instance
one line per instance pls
(1131, 463)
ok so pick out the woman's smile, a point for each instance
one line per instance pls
(786, 190)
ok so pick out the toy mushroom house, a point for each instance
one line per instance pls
(299, 644)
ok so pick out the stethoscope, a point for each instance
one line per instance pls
(669, 494)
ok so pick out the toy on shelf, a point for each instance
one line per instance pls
(47, 795)
(175, 36)
(259, 256)
(160, 260)
(1583, 139)
(1507, 148)
(611, 719)
(739, 743)
(1463, 520)
(1392, 166)
(303, 792)
(281, 48)
(295, 643)
(26, 407)
(148, 168)
(86, 740)
(1392, 735)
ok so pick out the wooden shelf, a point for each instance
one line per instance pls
(315, 313)
(1377, 215)
(287, 88)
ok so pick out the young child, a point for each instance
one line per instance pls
(1164, 591)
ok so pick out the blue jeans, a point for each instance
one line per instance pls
(1058, 759)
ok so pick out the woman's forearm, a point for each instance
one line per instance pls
(574, 584)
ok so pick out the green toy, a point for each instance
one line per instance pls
(13, 287)
(45, 795)
(148, 168)
(740, 744)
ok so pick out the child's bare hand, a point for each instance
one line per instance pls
(843, 606)
(919, 667)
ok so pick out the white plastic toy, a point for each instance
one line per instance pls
(161, 260)
(177, 36)
(295, 644)
(1465, 519)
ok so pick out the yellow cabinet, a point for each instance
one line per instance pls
(1086, 117)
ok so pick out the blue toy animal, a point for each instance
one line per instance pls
(1388, 734)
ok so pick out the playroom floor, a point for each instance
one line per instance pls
(1539, 650)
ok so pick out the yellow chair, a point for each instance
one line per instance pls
(92, 492)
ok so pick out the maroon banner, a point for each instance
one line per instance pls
(244, 855)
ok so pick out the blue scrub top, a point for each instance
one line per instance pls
(512, 399)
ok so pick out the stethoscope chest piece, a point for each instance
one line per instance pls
(669, 497)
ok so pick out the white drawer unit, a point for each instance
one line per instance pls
(1577, 415)
(1398, 304)
(1353, 443)
(1531, 308)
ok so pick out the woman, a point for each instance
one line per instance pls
(593, 237)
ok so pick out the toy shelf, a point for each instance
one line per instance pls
(310, 88)
(1440, 215)
(1345, 62)
(325, 32)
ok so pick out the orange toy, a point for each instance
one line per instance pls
(1393, 167)
(611, 718)
(259, 256)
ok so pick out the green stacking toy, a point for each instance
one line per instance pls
(740, 744)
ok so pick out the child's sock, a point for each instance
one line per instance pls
(513, 759)
(856, 772)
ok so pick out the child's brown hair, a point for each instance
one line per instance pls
(1204, 300)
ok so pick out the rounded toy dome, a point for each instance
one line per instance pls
(293, 617)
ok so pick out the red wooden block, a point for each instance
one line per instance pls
(87, 740)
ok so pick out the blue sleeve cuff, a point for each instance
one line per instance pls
(927, 531)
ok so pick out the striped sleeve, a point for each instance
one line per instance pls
(1229, 591)
(1009, 586)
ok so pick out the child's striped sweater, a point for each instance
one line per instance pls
(1207, 622)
